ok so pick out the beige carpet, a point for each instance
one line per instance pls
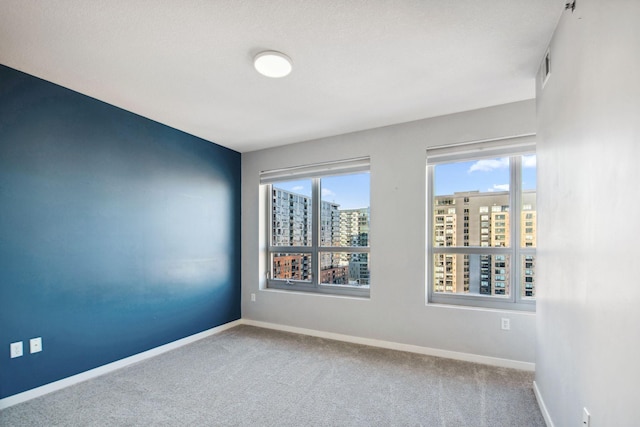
(250, 376)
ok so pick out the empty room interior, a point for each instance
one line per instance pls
(319, 212)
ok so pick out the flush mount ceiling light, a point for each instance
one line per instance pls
(272, 64)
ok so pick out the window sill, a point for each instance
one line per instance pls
(476, 308)
(482, 303)
(356, 292)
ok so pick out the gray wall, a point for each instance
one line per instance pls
(588, 321)
(396, 310)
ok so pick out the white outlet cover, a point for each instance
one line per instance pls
(35, 345)
(506, 324)
(16, 349)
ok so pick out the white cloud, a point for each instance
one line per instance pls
(487, 165)
(327, 193)
(298, 188)
(499, 187)
(529, 161)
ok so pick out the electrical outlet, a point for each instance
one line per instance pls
(506, 324)
(586, 418)
(16, 349)
(253, 297)
(35, 345)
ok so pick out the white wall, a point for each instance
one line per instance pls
(588, 319)
(396, 310)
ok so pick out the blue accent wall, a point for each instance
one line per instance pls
(117, 234)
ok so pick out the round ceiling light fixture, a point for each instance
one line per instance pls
(272, 64)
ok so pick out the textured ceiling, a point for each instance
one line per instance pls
(358, 64)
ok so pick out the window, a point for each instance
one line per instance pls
(318, 240)
(494, 266)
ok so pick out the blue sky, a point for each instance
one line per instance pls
(349, 191)
(484, 175)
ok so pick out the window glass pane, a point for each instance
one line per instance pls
(471, 274)
(345, 212)
(529, 213)
(291, 266)
(474, 194)
(344, 268)
(528, 269)
(291, 216)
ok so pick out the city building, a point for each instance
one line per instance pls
(354, 231)
(481, 219)
(291, 226)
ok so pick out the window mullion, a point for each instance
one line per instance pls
(290, 249)
(515, 194)
(350, 249)
(269, 222)
(472, 250)
(315, 227)
(430, 247)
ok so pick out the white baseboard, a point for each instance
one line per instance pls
(105, 369)
(467, 357)
(543, 407)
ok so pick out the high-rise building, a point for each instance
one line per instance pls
(480, 219)
(354, 231)
(292, 226)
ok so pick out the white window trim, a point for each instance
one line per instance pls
(314, 172)
(505, 147)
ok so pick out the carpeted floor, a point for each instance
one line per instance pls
(249, 376)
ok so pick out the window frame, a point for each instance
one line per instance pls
(315, 173)
(514, 149)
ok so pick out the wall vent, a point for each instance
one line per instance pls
(546, 68)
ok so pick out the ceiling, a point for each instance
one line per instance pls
(357, 64)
